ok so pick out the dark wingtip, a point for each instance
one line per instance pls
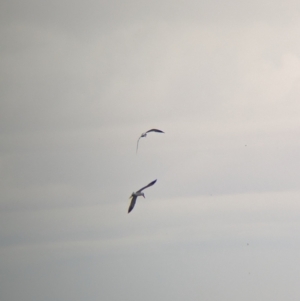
(153, 182)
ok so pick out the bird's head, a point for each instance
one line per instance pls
(143, 195)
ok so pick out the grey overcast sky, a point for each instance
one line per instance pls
(80, 81)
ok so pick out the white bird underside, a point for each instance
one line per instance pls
(145, 134)
(134, 195)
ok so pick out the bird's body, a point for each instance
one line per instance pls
(134, 195)
(145, 135)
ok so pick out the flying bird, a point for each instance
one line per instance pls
(145, 135)
(134, 195)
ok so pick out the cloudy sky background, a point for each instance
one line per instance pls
(80, 81)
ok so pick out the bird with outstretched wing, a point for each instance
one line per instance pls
(134, 195)
(145, 135)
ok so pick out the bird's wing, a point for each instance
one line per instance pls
(150, 184)
(132, 203)
(155, 130)
(137, 145)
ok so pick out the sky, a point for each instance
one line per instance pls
(81, 81)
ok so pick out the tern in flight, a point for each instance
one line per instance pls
(134, 195)
(145, 135)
